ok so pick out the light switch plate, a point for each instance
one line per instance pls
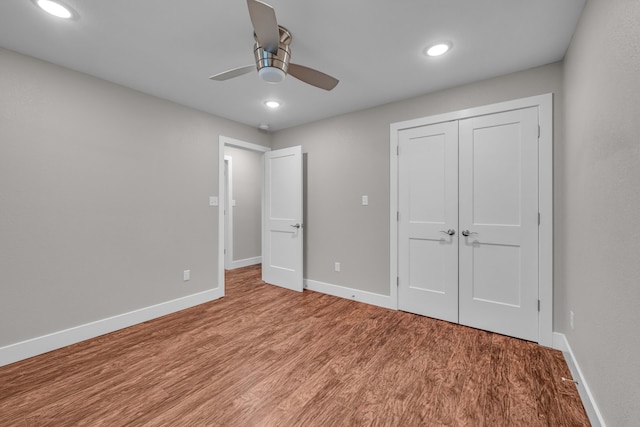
(365, 200)
(213, 201)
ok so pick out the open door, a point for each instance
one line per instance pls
(282, 230)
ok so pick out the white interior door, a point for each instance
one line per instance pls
(499, 212)
(282, 231)
(428, 220)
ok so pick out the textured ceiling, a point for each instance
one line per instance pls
(169, 49)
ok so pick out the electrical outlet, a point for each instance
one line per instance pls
(571, 320)
(213, 201)
(186, 275)
(365, 200)
(337, 266)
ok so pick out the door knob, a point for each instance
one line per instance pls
(467, 232)
(295, 225)
(450, 231)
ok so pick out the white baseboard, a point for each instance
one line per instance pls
(39, 345)
(244, 263)
(350, 293)
(561, 343)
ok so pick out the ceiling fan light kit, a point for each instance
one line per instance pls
(271, 74)
(272, 67)
(272, 52)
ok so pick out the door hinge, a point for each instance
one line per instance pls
(538, 131)
(398, 216)
(398, 281)
(538, 218)
(538, 305)
(397, 150)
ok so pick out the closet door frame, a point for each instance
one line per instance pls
(544, 103)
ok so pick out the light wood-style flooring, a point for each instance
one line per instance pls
(265, 356)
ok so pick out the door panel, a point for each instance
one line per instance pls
(499, 207)
(496, 175)
(428, 198)
(282, 234)
(426, 270)
(490, 261)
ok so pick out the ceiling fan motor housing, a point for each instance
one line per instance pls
(272, 67)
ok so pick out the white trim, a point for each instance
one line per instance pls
(544, 103)
(350, 293)
(545, 230)
(244, 262)
(222, 141)
(595, 417)
(559, 342)
(228, 210)
(221, 205)
(516, 104)
(39, 345)
(393, 215)
(242, 144)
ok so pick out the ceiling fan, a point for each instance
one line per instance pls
(272, 52)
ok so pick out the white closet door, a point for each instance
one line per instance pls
(428, 208)
(499, 209)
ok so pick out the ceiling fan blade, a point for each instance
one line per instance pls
(265, 25)
(312, 77)
(229, 74)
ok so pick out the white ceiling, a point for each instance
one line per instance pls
(169, 48)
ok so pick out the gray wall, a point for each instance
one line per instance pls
(348, 156)
(103, 198)
(247, 192)
(601, 207)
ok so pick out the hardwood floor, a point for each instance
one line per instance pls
(265, 356)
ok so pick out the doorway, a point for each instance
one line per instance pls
(226, 202)
(280, 228)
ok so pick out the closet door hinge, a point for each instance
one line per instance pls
(397, 281)
(397, 215)
(538, 218)
(538, 305)
(538, 131)
(397, 150)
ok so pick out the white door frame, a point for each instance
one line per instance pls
(228, 212)
(544, 103)
(222, 142)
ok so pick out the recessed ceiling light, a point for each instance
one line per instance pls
(56, 8)
(263, 126)
(272, 104)
(438, 49)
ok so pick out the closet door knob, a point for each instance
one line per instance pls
(467, 232)
(450, 231)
